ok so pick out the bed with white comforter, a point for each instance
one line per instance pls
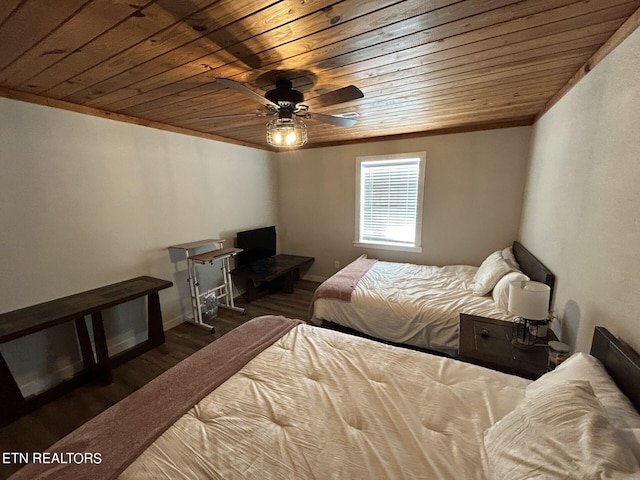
(420, 305)
(303, 402)
(320, 404)
(416, 305)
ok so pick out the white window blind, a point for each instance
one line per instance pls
(390, 200)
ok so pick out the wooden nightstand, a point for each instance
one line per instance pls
(487, 342)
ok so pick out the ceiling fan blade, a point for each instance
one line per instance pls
(341, 95)
(238, 87)
(332, 119)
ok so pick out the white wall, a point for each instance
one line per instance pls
(473, 198)
(581, 211)
(87, 201)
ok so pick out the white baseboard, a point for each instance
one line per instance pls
(34, 385)
(174, 322)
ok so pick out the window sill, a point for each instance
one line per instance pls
(387, 246)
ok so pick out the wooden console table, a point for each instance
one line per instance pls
(280, 267)
(73, 308)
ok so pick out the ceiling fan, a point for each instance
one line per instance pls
(287, 129)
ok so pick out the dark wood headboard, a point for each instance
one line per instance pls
(532, 267)
(621, 362)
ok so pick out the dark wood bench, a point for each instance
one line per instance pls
(279, 271)
(25, 321)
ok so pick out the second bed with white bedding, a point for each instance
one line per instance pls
(416, 305)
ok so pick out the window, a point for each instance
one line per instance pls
(389, 192)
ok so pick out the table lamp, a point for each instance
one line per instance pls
(529, 301)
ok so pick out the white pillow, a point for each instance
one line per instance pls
(491, 270)
(508, 255)
(562, 432)
(582, 366)
(501, 290)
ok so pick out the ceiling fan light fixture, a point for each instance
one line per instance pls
(286, 132)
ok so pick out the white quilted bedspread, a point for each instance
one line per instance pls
(319, 404)
(412, 304)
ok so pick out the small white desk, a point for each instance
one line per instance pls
(224, 291)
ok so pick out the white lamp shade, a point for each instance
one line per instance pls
(529, 300)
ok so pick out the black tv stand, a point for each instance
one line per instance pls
(277, 273)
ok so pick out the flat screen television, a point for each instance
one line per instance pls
(258, 244)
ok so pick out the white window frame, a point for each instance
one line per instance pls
(395, 158)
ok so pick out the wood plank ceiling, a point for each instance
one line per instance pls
(423, 65)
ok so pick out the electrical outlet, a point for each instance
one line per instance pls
(336, 264)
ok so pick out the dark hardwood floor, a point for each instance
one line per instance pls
(38, 430)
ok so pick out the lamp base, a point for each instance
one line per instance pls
(528, 333)
(522, 344)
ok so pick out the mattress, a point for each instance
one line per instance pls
(321, 404)
(276, 398)
(416, 305)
